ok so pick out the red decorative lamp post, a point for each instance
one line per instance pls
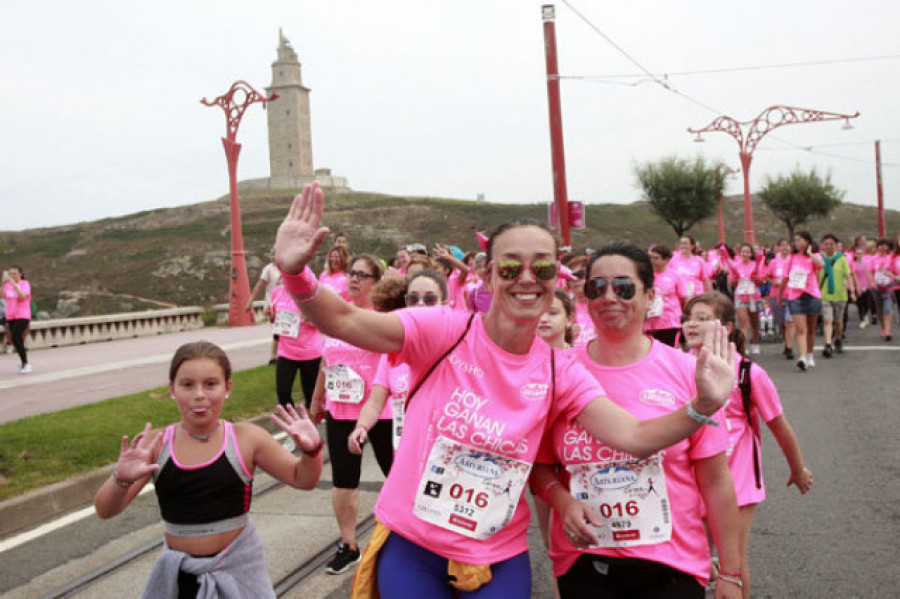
(732, 172)
(234, 102)
(769, 119)
(560, 194)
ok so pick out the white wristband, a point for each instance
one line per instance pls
(702, 419)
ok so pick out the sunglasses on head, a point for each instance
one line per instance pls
(509, 269)
(623, 287)
(360, 274)
(429, 299)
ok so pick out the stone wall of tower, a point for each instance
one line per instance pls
(290, 138)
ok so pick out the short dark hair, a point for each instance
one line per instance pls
(515, 224)
(639, 257)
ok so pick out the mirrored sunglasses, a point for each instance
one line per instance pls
(510, 269)
(624, 287)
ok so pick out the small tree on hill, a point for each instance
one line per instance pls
(797, 197)
(681, 192)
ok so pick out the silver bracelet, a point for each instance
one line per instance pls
(122, 483)
(701, 418)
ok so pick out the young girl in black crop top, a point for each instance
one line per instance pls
(202, 469)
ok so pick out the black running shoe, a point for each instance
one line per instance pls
(827, 351)
(344, 559)
(839, 346)
(801, 364)
(788, 353)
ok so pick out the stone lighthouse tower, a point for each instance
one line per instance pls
(290, 140)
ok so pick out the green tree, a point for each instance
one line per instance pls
(797, 197)
(681, 192)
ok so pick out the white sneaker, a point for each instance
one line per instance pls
(754, 348)
(863, 324)
(810, 361)
(9, 349)
(25, 369)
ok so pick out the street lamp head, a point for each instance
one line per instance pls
(846, 126)
(699, 138)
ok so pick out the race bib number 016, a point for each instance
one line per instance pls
(343, 384)
(631, 497)
(469, 491)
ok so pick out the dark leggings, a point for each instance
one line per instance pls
(346, 467)
(17, 329)
(285, 374)
(603, 577)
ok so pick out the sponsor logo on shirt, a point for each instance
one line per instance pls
(534, 391)
(613, 477)
(479, 465)
(656, 397)
(466, 367)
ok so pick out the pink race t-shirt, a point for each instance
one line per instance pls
(861, 266)
(764, 402)
(298, 339)
(497, 405)
(776, 271)
(659, 383)
(349, 373)
(17, 308)
(669, 291)
(586, 330)
(337, 282)
(802, 271)
(743, 277)
(395, 379)
(692, 271)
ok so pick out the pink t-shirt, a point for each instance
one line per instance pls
(307, 344)
(17, 308)
(456, 292)
(743, 277)
(862, 268)
(692, 271)
(586, 330)
(776, 271)
(659, 383)
(669, 290)
(349, 364)
(481, 396)
(337, 282)
(765, 402)
(394, 378)
(802, 267)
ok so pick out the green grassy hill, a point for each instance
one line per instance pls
(181, 256)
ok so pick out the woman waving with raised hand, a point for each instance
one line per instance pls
(445, 528)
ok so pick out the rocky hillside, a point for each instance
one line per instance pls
(180, 256)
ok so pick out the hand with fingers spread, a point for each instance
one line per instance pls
(300, 234)
(715, 373)
(297, 424)
(137, 457)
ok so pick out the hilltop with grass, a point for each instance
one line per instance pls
(181, 256)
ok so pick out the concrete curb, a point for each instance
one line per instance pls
(37, 507)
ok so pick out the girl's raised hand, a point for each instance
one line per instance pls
(298, 426)
(300, 235)
(136, 458)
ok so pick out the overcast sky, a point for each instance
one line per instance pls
(100, 114)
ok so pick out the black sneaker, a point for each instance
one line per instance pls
(788, 353)
(839, 346)
(886, 338)
(827, 351)
(343, 560)
(801, 364)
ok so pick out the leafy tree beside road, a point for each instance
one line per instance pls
(681, 192)
(797, 197)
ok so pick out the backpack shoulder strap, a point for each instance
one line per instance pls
(439, 360)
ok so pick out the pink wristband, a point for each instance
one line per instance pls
(302, 284)
(546, 490)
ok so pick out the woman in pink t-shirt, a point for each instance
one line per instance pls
(776, 271)
(483, 389)
(745, 273)
(800, 288)
(884, 279)
(744, 454)
(455, 273)
(649, 539)
(17, 292)
(342, 388)
(582, 330)
(335, 273)
(664, 314)
(299, 349)
(861, 266)
(690, 268)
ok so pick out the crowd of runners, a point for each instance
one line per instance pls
(616, 386)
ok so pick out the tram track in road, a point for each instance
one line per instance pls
(283, 585)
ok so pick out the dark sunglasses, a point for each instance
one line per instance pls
(579, 274)
(429, 299)
(510, 269)
(623, 287)
(360, 274)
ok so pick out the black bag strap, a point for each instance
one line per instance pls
(745, 386)
(439, 360)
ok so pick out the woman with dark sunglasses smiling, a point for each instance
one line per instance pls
(425, 288)
(646, 536)
(483, 389)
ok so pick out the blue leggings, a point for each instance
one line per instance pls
(407, 571)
